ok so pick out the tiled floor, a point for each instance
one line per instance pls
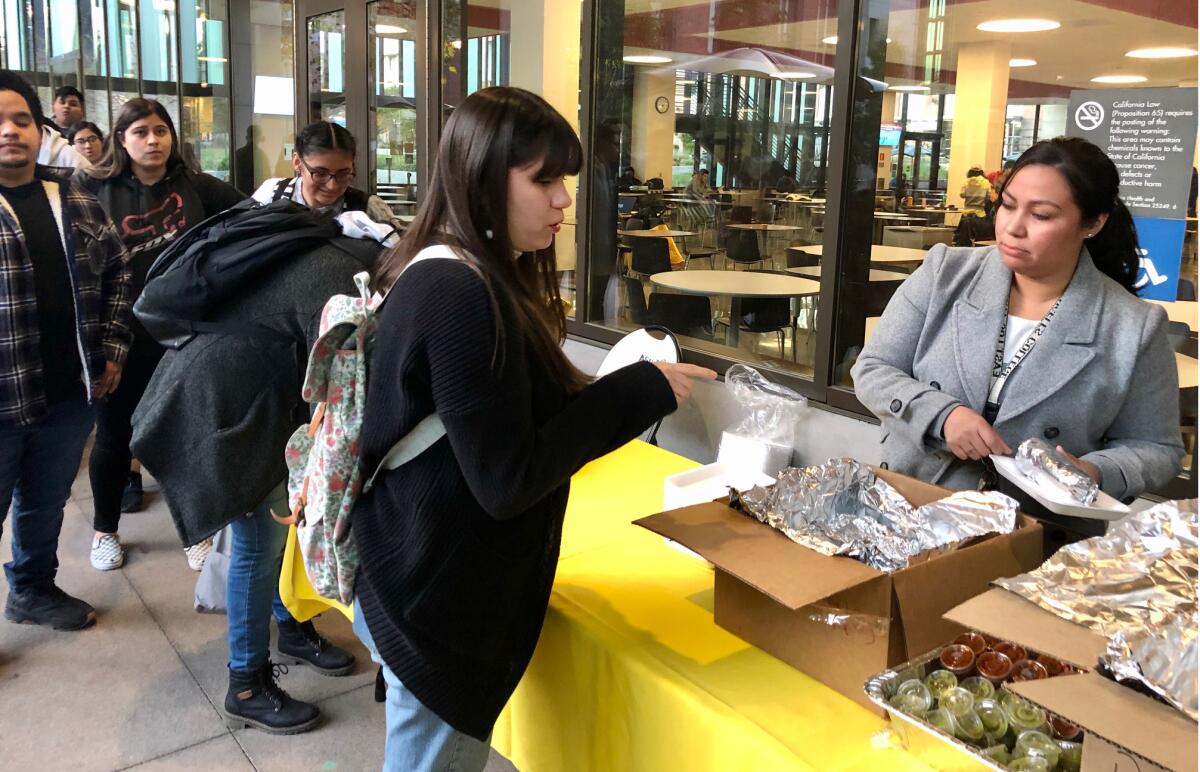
(141, 688)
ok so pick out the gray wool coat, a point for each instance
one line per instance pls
(1101, 381)
(214, 420)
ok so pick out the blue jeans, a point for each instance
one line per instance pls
(417, 740)
(37, 466)
(252, 589)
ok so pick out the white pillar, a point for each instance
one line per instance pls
(653, 137)
(981, 99)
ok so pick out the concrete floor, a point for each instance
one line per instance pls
(141, 689)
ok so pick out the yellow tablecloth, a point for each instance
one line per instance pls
(631, 673)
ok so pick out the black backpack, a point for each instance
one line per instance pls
(217, 258)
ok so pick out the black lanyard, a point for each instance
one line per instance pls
(1002, 370)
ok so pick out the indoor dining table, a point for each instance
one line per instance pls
(737, 285)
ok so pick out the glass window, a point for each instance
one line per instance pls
(265, 150)
(533, 44)
(710, 152)
(205, 130)
(392, 27)
(327, 67)
(159, 55)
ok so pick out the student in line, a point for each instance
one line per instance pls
(88, 141)
(459, 546)
(323, 160)
(152, 197)
(68, 108)
(66, 303)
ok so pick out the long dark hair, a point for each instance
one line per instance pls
(493, 131)
(324, 136)
(115, 160)
(1095, 184)
(84, 125)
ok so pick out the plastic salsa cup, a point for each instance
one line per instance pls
(994, 666)
(1029, 670)
(940, 682)
(1013, 651)
(958, 659)
(973, 641)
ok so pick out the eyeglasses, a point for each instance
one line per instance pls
(86, 140)
(321, 176)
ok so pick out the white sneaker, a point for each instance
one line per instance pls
(197, 554)
(107, 552)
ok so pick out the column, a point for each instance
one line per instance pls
(653, 136)
(981, 98)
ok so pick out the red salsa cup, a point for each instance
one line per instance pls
(958, 659)
(1029, 670)
(1013, 651)
(994, 666)
(973, 641)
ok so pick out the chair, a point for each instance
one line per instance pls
(689, 315)
(650, 344)
(636, 300)
(650, 255)
(741, 214)
(742, 247)
(764, 315)
(1186, 291)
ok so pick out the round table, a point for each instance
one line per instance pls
(737, 285)
(653, 234)
(814, 272)
(1180, 311)
(879, 253)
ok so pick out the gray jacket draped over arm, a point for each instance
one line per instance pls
(1101, 381)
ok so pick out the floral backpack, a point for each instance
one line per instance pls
(324, 474)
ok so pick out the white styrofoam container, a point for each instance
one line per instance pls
(767, 458)
(709, 482)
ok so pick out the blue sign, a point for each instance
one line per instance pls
(1161, 243)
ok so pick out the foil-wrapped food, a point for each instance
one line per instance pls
(1162, 661)
(1135, 585)
(1036, 459)
(842, 508)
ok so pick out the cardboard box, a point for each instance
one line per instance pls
(768, 589)
(1125, 731)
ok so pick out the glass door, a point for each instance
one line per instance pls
(360, 70)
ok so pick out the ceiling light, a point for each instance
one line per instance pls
(830, 41)
(211, 59)
(908, 88)
(640, 59)
(1018, 25)
(1022, 62)
(796, 75)
(1120, 79)
(1166, 52)
(389, 29)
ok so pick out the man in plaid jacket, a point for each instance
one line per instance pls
(65, 300)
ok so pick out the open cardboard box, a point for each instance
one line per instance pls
(768, 589)
(1124, 730)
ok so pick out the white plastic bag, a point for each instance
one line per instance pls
(765, 436)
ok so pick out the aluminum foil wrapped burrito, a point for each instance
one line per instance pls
(841, 508)
(1137, 585)
(1163, 661)
(1034, 455)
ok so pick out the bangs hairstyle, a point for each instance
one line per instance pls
(494, 131)
(115, 160)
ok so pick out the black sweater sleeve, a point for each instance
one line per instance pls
(215, 196)
(486, 400)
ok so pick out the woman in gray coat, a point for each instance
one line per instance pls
(1040, 336)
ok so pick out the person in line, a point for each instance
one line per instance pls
(975, 192)
(88, 141)
(258, 379)
(323, 160)
(1077, 359)
(459, 546)
(64, 342)
(698, 186)
(68, 108)
(152, 197)
(627, 180)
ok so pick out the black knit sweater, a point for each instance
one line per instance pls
(459, 546)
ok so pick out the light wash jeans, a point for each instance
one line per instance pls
(417, 740)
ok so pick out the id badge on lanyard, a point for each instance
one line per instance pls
(1001, 370)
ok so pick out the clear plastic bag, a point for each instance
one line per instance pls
(765, 435)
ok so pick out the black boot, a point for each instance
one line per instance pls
(300, 644)
(133, 496)
(254, 699)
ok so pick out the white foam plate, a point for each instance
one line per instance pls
(1054, 498)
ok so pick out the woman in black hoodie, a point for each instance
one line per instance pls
(152, 197)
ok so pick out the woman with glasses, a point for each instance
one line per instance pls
(324, 163)
(151, 197)
(87, 138)
(1042, 335)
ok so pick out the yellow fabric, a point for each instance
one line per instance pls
(296, 591)
(631, 673)
(676, 255)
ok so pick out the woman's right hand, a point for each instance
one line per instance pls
(970, 436)
(681, 378)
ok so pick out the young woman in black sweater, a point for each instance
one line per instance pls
(459, 546)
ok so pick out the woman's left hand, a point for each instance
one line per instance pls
(1091, 469)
